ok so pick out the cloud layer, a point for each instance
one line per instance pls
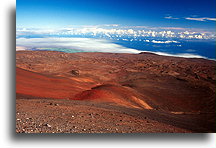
(85, 45)
(135, 32)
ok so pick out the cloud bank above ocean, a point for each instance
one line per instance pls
(117, 32)
(85, 45)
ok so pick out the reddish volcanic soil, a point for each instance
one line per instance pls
(35, 84)
(110, 92)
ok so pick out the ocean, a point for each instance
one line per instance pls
(204, 48)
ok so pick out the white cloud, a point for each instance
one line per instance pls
(18, 48)
(173, 28)
(164, 42)
(211, 19)
(111, 25)
(84, 44)
(195, 19)
(170, 17)
(115, 32)
(30, 31)
(190, 50)
(184, 55)
(201, 19)
(87, 45)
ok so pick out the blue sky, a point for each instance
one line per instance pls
(155, 13)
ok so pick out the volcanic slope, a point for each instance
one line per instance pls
(176, 86)
(48, 86)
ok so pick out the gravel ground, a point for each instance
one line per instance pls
(64, 116)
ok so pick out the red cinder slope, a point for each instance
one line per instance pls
(39, 85)
(115, 94)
